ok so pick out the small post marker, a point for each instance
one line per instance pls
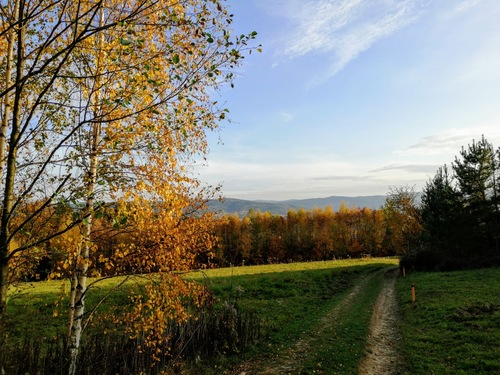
(404, 272)
(413, 293)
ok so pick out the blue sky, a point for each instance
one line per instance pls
(351, 97)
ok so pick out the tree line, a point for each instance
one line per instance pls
(318, 234)
(124, 246)
(454, 224)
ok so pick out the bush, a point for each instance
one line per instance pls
(420, 259)
(214, 332)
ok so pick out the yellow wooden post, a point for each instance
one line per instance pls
(413, 293)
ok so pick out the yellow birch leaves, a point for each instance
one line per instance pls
(113, 101)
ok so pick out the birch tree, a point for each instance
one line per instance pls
(104, 101)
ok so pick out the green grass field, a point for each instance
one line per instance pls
(453, 328)
(292, 298)
(40, 308)
(454, 325)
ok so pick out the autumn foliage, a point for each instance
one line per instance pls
(318, 234)
(151, 237)
(104, 109)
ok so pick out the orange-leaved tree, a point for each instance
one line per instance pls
(402, 220)
(105, 101)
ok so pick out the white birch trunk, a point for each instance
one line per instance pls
(7, 98)
(79, 278)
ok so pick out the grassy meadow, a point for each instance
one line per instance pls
(289, 300)
(40, 308)
(454, 325)
(292, 299)
(453, 328)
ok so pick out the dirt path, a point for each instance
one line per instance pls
(291, 360)
(382, 355)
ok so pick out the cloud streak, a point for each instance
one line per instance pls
(410, 168)
(465, 5)
(341, 178)
(285, 116)
(343, 29)
(289, 180)
(451, 141)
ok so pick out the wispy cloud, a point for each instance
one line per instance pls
(340, 178)
(465, 5)
(410, 168)
(288, 180)
(451, 141)
(343, 29)
(285, 116)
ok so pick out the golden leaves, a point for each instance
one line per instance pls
(117, 95)
(168, 300)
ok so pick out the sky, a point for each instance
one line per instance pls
(355, 97)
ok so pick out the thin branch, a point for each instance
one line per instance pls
(90, 313)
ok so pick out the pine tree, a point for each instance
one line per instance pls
(475, 171)
(441, 212)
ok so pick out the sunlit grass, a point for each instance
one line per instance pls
(289, 298)
(292, 299)
(451, 329)
(290, 267)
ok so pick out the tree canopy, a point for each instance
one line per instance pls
(103, 106)
(460, 211)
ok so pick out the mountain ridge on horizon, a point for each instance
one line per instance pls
(280, 207)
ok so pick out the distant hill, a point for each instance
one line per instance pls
(241, 206)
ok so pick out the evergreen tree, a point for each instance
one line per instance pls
(441, 210)
(460, 211)
(475, 172)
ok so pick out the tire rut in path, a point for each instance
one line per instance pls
(382, 354)
(291, 361)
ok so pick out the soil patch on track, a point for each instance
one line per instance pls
(382, 346)
(381, 356)
(290, 362)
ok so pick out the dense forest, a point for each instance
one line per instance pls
(257, 238)
(460, 212)
(317, 234)
(456, 224)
